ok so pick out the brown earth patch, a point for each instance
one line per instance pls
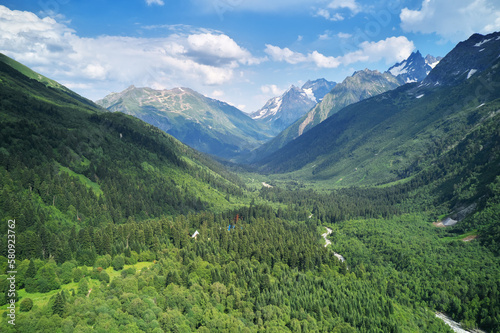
(469, 238)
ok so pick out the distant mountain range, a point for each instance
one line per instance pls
(281, 111)
(206, 124)
(402, 131)
(361, 85)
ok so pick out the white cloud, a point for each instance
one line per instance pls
(325, 36)
(344, 35)
(453, 20)
(217, 93)
(392, 49)
(213, 49)
(272, 89)
(323, 61)
(287, 55)
(345, 4)
(333, 9)
(322, 12)
(155, 2)
(181, 58)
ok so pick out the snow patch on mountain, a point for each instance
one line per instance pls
(398, 70)
(482, 42)
(270, 109)
(310, 94)
(471, 72)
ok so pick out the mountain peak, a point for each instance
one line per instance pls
(365, 71)
(414, 68)
(317, 89)
(281, 111)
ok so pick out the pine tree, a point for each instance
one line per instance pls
(31, 271)
(58, 306)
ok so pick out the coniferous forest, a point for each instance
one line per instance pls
(106, 208)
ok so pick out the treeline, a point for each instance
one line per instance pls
(339, 205)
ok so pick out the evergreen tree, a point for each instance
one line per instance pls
(31, 271)
(83, 287)
(59, 305)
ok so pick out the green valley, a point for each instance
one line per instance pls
(120, 227)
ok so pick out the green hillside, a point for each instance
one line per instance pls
(203, 123)
(67, 163)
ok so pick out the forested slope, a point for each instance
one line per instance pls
(65, 162)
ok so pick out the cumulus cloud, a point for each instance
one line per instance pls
(453, 20)
(285, 54)
(392, 49)
(272, 89)
(209, 58)
(218, 49)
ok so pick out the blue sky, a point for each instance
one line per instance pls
(239, 51)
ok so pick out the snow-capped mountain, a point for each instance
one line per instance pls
(280, 112)
(432, 61)
(317, 89)
(361, 85)
(415, 68)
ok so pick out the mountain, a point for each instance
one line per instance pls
(432, 61)
(467, 59)
(206, 124)
(361, 85)
(415, 68)
(280, 112)
(399, 133)
(317, 89)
